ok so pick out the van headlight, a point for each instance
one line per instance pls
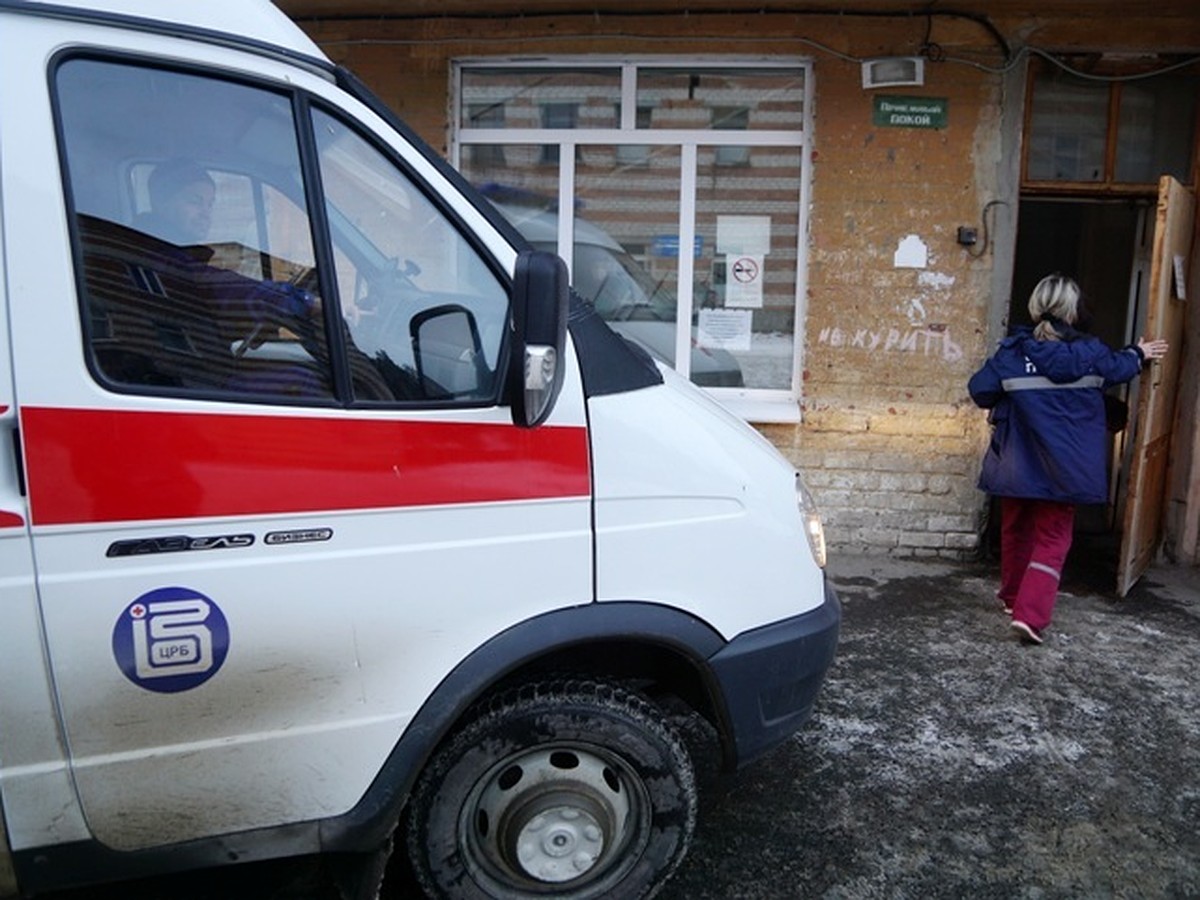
(812, 521)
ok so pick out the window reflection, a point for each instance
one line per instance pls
(628, 202)
(397, 258)
(505, 97)
(197, 277)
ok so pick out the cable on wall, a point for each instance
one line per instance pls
(927, 48)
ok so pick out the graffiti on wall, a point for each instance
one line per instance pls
(916, 335)
(931, 340)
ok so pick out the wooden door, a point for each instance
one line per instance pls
(1157, 384)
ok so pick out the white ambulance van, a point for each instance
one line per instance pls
(326, 515)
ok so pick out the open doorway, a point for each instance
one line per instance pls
(1131, 258)
(1105, 246)
(1108, 153)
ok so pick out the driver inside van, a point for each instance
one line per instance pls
(182, 194)
(217, 315)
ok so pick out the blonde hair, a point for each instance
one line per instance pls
(1055, 297)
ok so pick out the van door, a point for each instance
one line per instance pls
(39, 803)
(275, 493)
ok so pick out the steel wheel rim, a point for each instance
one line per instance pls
(552, 818)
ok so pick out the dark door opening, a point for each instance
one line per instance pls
(1104, 245)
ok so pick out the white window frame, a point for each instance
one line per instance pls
(753, 404)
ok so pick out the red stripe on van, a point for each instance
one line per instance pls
(10, 519)
(103, 466)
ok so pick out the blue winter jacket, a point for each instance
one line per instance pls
(1047, 411)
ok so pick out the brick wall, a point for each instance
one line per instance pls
(890, 440)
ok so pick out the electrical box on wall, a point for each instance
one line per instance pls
(893, 71)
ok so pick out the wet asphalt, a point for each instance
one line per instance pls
(948, 760)
(945, 759)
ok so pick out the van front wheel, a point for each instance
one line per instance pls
(564, 788)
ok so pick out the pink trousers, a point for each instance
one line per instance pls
(1035, 536)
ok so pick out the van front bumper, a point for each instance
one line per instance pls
(770, 677)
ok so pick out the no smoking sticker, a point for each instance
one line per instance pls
(745, 270)
(744, 286)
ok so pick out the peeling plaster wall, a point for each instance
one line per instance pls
(890, 441)
(890, 438)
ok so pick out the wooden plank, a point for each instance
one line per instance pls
(1157, 388)
(1183, 514)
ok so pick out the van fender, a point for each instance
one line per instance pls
(369, 823)
(367, 826)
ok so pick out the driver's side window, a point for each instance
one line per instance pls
(197, 278)
(199, 274)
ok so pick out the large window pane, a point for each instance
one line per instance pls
(198, 271)
(706, 98)
(705, 281)
(627, 253)
(746, 225)
(514, 97)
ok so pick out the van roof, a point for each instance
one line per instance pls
(226, 21)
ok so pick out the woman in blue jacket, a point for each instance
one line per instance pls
(1045, 389)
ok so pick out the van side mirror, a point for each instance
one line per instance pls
(448, 353)
(539, 304)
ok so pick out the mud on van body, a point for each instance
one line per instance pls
(325, 513)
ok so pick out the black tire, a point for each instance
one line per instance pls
(563, 788)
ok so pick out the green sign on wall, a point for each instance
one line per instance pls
(910, 112)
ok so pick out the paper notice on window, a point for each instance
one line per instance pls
(744, 235)
(724, 329)
(744, 281)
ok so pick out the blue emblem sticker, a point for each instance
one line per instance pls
(170, 639)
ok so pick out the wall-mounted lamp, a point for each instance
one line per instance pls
(893, 71)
